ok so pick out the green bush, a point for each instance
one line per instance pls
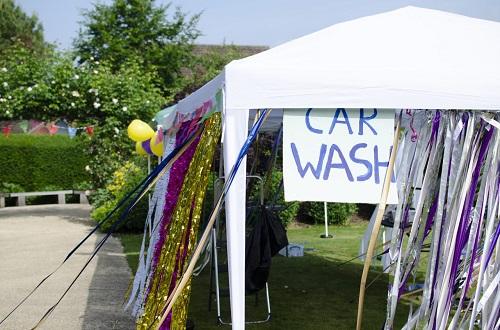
(126, 178)
(275, 197)
(39, 163)
(338, 213)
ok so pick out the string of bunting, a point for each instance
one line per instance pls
(41, 127)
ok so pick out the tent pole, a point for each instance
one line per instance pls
(376, 226)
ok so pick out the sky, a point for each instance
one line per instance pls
(252, 22)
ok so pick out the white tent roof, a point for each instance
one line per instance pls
(407, 58)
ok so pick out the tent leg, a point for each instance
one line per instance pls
(235, 134)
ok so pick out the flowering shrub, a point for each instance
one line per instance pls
(52, 87)
(124, 179)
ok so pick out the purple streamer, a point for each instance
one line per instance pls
(177, 174)
(462, 233)
(493, 244)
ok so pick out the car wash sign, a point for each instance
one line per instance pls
(337, 155)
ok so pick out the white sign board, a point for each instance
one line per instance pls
(337, 155)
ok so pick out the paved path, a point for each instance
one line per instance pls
(33, 242)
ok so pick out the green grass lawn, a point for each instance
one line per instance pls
(310, 292)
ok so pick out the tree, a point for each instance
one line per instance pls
(18, 27)
(137, 29)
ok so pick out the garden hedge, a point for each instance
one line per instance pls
(42, 162)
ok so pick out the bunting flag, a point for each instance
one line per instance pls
(52, 128)
(448, 187)
(23, 125)
(72, 132)
(6, 130)
(89, 130)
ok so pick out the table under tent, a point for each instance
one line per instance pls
(438, 72)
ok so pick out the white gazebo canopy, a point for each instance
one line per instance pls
(407, 58)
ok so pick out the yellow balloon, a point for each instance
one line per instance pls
(139, 130)
(139, 149)
(156, 148)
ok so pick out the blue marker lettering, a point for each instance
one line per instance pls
(342, 165)
(303, 170)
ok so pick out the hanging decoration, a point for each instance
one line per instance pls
(156, 142)
(139, 131)
(174, 214)
(139, 149)
(43, 128)
(448, 187)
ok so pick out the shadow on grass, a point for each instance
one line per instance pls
(311, 292)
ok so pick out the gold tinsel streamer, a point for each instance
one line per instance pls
(188, 207)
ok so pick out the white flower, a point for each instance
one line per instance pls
(2, 99)
(116, 130)
(30, 89)
(5, 84)
(95, 72)
(147, 102)
(53, 82)
(87, 168)
(72, 104)
(115, 101)
(7, 112)
(4, 70)
(9, 97)
(91, 58)
(75, 93)
(96, 105)
(76, 76)
(125, 109)
(96, 62)
(35, 86)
